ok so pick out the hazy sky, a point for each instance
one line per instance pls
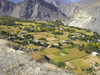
(23, 0)
(75, 0)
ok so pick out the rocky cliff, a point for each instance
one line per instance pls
(69, 9)
(6, 7)
(58, 2)
(28, 9)
(88, 18)
(84, 3)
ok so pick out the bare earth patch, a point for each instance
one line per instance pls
(69, 64)
(97, 72)
(51, 39)
(79, 42)
(38, 36)
(94, 58)
(89, 61)
(62, 54)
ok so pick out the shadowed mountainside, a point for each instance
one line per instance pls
(28, 9)
(88, 18)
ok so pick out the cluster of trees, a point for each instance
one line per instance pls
(57, 46)
(39, 29)
(83, 37)
(22, 43)
(8, 22)
(90, 47)
(6, 33)
(56, 23)
(28, 36)
(70, 30)
(57, 33)
(39, 43)
(36, 43)
(16, 19)
(43, 39)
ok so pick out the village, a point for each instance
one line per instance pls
(71, 45)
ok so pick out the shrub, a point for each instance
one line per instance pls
(36, 56)
(57, 33)
(61, 64)
(12, 45)
(43, 39)
(45, 44)
(2, 37)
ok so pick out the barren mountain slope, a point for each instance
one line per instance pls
(6, 7)
(58, 2)
(84, 3)
(69, 9)
(88, 18)
(28, 9)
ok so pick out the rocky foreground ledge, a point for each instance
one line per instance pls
(17, 62)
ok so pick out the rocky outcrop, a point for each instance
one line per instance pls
(88, 18)
(17, 62)
(58, 2)
(69, 9)
(84, 3)
(28, 9)
(6, 7)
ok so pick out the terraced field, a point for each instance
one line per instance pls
(53, 32)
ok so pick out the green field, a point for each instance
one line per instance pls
(67, 52)
(69, 48)
(79, 64)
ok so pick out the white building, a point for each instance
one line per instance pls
(56, 44)
(95, 53)
(36, 40)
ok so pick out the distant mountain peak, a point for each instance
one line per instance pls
(28, 9)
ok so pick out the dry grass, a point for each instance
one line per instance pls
(78, 63)
(94, 58)
(80, 42)
(99, 57)
(51, 50)
(65, 45)
(2, 37)
(51, 56)
(73, 54)
(79, 72)
(36, 56)
(53, 42)
(86, 57)
(69, 64)
(51, 39)
(62, 54)
(62, 37)
(12, 45)
(38, 36)
(32, 46)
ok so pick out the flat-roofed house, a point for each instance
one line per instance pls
(95, 53)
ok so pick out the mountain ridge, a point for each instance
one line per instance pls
(34, 10)
(88, 18)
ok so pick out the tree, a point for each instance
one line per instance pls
(61, 64)
(17, 31)
(94, 45)
(99, 45)
(45, 44)
(81, 47)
